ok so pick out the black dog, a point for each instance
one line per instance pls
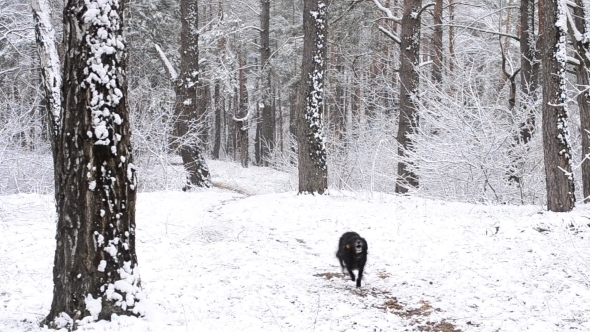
(352, 253)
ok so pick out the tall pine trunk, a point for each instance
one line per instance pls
(556, 147)
(95, 269)
(267, 132)
(313, 168)
(189, 107)
(409, 81)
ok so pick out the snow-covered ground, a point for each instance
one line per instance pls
(252, 255)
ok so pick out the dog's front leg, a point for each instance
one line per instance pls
(358, 281)
(351, 274)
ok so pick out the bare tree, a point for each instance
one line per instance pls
(556, 147)
(95, 269)
(313, 168)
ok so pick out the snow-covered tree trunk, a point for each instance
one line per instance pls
(409, 82)
(241, 121)
(267, 132)
(95, 271)
(582, 46)
(313, 168)
(50, 63)
(188, 114)
(529, 67)
(556, 147)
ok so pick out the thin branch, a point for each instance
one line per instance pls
(477, 29)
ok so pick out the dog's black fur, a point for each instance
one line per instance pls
(352, 253)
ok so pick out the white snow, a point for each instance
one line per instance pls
(252, 255)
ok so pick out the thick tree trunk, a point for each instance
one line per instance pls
(408, 117)
(556, 148)
(583, 78)
(313, 168)
(267, 133)
(95, 270)
(188, 91)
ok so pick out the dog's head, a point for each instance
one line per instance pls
(356, 244)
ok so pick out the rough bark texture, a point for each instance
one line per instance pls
(95, 269)
(437, 42)
(313, 169)
(188, 114)
(409, 79)
(583, 78)
(556, 148)
(267, 132)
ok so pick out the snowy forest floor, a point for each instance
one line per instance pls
(252, 255)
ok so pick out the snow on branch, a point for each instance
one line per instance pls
(169, 68)
(50, 64)
(390, 35)
(387, 11)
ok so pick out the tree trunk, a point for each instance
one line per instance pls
(218, 112)
(583, 78)
(188, 91)
(408, 117)
(242, 121)
(437, 42)
(313, 168)
(556, 148)
(267, 133)
(529, 67)
(451, 37)
(95, 269)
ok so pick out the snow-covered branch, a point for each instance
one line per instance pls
(169, 68)
(389, 15)
(389, 34)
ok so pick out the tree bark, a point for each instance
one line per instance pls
(188, 103)
(241, 123)
(409, 79)
(218, 112)
(95, 269)
(313, 168)
(529, 67)
(437, 42)
(451, 36)
(267, 133)
(556, 148)
(583, 78)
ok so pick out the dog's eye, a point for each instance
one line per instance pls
(348, 246)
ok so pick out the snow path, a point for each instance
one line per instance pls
(217, 260)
